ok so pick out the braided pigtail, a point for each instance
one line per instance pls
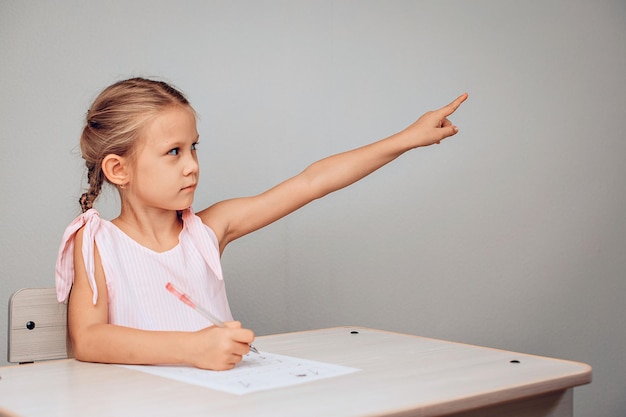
(93, 143)
(95, 179)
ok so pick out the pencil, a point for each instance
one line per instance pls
(185, 299)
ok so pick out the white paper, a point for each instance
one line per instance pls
(255, 373)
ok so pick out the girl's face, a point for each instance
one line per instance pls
(165, 170)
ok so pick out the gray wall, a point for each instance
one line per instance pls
(510, 235)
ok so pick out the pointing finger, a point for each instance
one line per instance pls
(451, 108)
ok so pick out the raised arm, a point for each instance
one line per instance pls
(234, 218)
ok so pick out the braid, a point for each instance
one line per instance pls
(85, 202)
(95, 186)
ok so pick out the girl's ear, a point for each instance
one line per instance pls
(116, 169)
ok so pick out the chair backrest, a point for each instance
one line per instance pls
(37, 326)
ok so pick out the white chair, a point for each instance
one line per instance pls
(37, 326)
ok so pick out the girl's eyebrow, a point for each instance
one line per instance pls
(174, 143)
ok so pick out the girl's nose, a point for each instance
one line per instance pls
(191, 165)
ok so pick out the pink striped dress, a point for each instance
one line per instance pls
(136, 276)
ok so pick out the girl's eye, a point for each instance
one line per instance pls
(194, 146)
(174, 151)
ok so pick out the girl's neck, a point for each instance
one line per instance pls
(155, 229)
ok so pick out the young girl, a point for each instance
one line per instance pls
(140, 136)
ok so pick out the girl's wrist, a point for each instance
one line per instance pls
(408, 140)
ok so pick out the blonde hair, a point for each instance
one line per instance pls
(114, 123)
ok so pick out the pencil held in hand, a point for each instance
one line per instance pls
(185, 299)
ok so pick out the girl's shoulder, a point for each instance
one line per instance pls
(205, 238)
(88, 223)
(83, 227)
(196, 226)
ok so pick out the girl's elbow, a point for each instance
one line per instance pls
(81, 347)
(77, 348)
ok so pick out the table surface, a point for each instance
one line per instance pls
(400, 374)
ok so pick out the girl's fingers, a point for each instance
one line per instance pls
(451, 108)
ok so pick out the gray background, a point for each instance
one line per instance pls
(510, 235)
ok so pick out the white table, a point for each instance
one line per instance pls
(401, 375)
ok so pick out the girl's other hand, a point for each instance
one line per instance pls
(220, 348)
(433, 126)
